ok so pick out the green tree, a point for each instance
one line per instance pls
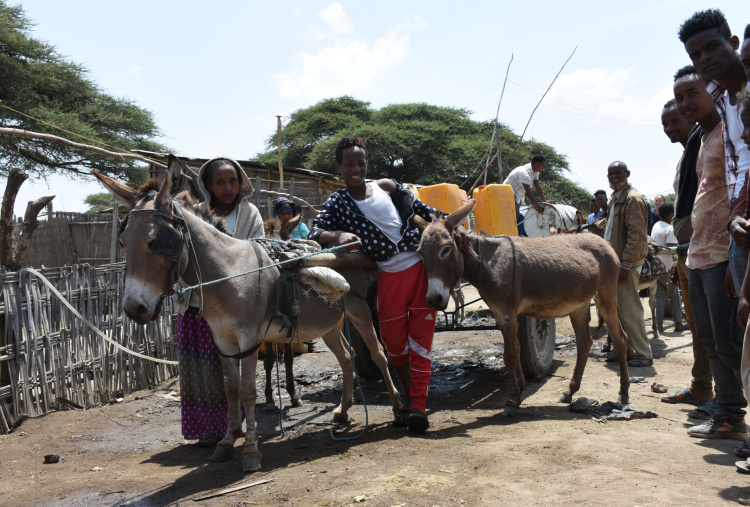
(415, 143)
(36, 81)
(99, 202)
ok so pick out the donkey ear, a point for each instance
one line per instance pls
(457, 218)
(288, 228)
(172, 182)
(419, 222)
(120, 191)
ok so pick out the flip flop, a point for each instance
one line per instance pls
(684, 396)
(742, 467)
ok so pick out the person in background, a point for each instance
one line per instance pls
(285, 210)
(626, 232)
(520, 179)
(226, 191)
(664, 237)
(596, 211)
(688, 134)
(658, 201)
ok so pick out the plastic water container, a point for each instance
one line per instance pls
(495, 211)
(444, 196)
(559, 215)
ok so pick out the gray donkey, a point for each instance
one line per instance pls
(164, 241)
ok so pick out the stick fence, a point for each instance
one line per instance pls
(48, 356)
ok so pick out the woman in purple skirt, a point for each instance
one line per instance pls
(226, 191)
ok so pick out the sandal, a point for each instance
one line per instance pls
(640, 363)
(684, 396)
(401, 416)
(743, 451)
(707, 411)
(209, 440)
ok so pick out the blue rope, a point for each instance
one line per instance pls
(183, 290)
(359, 385)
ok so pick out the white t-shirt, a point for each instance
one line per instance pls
(379, 209)
(734, 131)
(519, 176)
(230, 221)
(663, 234)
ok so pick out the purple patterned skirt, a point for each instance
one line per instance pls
(204, 404)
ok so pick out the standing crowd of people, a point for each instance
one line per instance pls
(708, 226)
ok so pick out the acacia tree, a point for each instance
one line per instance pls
(40, 88)
(36, 81)
(416, 143)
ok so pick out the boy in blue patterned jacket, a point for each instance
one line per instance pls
(378, 214)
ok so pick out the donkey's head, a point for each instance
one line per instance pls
(442, 259)
(152, 240)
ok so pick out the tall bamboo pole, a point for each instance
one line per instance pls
(281, 169)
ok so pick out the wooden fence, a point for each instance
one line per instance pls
(65, 239)
(50, 358)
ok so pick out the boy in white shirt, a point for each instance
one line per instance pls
(664, 236)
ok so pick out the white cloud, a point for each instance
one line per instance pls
(135, 70)
(345, 66)
(609, 94)
(335, 18)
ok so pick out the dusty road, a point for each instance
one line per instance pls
(132, 453)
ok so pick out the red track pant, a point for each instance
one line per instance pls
(407, 325)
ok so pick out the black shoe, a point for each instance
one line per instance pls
(417, 421)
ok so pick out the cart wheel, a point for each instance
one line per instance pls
(536, 338)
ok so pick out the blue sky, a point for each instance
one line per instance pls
(216, 74)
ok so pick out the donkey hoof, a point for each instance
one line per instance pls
(565, 398)
(222, 453)
(509, 411)
(270, 407)
(340, 418)
(624, 399)
(251, 463)
(296, 402)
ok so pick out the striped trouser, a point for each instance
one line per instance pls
(407, 325)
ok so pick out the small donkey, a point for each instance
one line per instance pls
(545, 277)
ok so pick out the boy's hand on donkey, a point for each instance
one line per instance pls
(343, 238)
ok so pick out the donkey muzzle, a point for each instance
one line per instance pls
(438, 294)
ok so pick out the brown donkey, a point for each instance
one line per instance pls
(545, 277)
(164, 241)
(274, 230)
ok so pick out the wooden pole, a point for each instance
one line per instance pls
(281, 169)
(113, 243)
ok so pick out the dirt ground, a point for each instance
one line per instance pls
(132, 453)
